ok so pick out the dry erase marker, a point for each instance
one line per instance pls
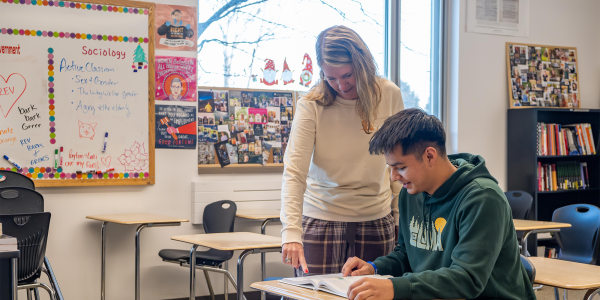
(87, 171)
(55, 158)
(61, 152)
(105, 141)
(12, 162)
(105, 170)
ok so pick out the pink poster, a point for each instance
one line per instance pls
(175, 78)
(257, 115)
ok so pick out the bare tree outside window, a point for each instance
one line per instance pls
(242, 43)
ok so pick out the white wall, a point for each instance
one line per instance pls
(479, 106)
(482, 98)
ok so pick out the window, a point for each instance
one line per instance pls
(420, 54)
(267, 43)
(248, 44)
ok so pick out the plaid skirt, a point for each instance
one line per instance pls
(328, 244)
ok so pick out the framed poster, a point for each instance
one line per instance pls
(542, 76)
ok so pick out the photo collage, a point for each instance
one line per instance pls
(544, 76)
(243, 126)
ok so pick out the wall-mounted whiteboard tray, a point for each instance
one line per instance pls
(69, 73)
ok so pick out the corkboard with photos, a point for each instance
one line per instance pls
(542, 76)
(243, 127)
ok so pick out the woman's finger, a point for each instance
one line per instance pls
(303, 263)
(295, 259)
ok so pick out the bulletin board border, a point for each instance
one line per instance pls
(101, 181)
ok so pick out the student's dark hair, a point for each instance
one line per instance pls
(413, 130)
(175, 11)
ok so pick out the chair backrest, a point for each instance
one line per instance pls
(579, 243)
(18, 200)
(520, 203)
(31, 231)
(219, 216)
(529, 267)
(14, 179)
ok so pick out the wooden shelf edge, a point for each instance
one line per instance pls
(269, 165)
(91, 182)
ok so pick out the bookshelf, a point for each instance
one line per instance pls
(523, 158)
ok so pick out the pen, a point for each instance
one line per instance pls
(105, 141)
(55, 159)
(61, 152)
(12, 162)
(105, 170)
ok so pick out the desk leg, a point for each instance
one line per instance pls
(137, 260)
(193, 272)
(14, 279)
(240, 273)
(524, 243)
(103, 263)
(263, 266)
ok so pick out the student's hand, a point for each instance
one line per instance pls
(371, 288)
(355, 266)
(295, 252)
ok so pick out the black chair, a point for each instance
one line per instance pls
(578, 243)
(529, 268)
(12, 179)
(17, 196)
(520, 203)
(218, 217)
(31, 231)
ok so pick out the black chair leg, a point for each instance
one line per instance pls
(36, 294)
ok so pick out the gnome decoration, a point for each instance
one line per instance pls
(307, 73)
(286, 76)
(269, 73)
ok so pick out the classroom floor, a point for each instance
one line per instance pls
(547, 293)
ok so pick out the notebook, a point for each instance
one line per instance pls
(331, 283)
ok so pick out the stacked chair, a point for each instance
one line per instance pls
(22, 216)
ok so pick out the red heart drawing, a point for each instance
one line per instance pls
(5, 90)
(106, 160)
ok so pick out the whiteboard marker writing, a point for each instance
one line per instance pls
(61, 152)
(55, 159)
(105, 141)
(105, 170)
(12, 162)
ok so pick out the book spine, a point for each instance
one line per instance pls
(551, 138)
(548, 178)
(583, 182)
(588, 128)
(585, 138)
(585, 169)
(539, 132)
(565, 142)
(540, 186)
(554, 183)
(556, 139)
(581, 140)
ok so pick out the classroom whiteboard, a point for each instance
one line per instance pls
(69, 73)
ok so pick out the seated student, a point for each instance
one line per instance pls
(456, 238)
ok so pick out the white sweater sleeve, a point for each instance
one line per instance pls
(296, 164)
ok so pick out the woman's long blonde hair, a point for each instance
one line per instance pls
(337, 46)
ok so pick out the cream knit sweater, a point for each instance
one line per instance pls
(329, 173)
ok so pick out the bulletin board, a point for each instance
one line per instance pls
(70, 74)
(252, 125)
(542, 76)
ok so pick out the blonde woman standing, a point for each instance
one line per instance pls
(336, 198)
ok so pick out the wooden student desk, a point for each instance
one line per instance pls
(567, 275)
(532, 226)
(293, 292)
(249, 242)
(143, 220)
(267, 215)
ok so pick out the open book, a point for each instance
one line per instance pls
(331, 283)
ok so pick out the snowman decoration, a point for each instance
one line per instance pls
(286, 76)
(269, 73)
(307, 73)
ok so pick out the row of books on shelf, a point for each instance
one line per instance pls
(563, 175)
(550, 252)
(573, 139)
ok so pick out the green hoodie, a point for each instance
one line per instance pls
(471, 251)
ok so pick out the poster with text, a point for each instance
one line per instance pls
(175, 78)
(175, 126)
(176, 27)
